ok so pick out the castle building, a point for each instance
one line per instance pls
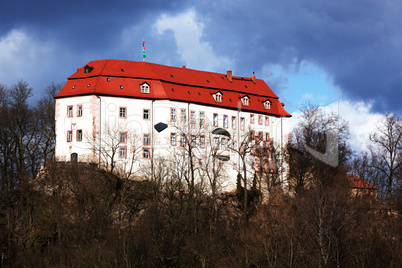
(124, 114)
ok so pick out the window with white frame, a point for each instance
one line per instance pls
(145, 88)
(70, 111)
(147, 139)
(217, 96)
(215, 120)
(173, 114)
(225, 121)
(79, 135)
(267, 104)
(192, 117)
(245, 100)
(79, 110)
(183, 115)
(69, 136)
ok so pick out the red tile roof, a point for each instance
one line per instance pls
(173, 83)
(357, 182)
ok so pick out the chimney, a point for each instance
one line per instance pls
(253, 78)
(229, 76)
(184, 66)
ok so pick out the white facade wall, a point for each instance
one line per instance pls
(101, 113)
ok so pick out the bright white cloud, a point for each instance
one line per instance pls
(362, 120)
(188, 33)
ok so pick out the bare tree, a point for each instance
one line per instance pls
(386, 149)
(44, 111)
(317, 130)
(117, 148)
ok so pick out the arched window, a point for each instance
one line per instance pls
(74, 158)
(145, 88)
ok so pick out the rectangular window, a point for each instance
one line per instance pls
(266, 136)
(79, 135)
(216, 143)
(79, 110)
(223, 144)
(123, 112)
(123, 137)
(145, 153)
(215, 120)
(145, 88)
(225, 121)
(234, 144)
(192, 141)
(69, 136)
(183, 115)
(147, 139)
(241, 123)
(122, 151)
(173, 139)
(260, 135)
(202, 118)
(69, 111)
(173, 114)
(233, 122)
(260, 119)
(192, 117)
(252, 135)
(266, 120)
(145, 115)
(182, 140)
(251, 119)
(202, 141)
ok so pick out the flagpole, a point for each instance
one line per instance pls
(143, 50)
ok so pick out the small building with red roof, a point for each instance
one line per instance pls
(361, 187)
(124, 114)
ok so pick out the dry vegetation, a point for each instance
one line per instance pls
(73, 215)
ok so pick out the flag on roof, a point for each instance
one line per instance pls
(143, 50)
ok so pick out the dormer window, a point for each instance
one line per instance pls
(88, 69)
(144, 88)
(267, 104)
(217, 96)
(245, 100)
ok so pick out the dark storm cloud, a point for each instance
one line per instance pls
(358, 43)
(94, 24)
